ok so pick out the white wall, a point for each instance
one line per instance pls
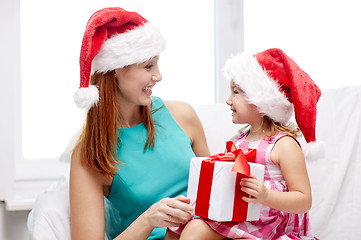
(13, 224)
(9, 72)
(229, 29)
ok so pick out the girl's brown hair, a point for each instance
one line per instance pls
(99, 139)
(290, 128)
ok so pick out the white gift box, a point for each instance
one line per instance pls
(222, 195)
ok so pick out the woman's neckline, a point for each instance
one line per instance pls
(136, 125)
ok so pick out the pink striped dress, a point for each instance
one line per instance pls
(273, 224)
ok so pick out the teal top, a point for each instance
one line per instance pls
(150, 175)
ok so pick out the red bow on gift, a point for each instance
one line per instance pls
(240, 159)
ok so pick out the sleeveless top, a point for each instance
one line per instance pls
(148, 175)
(273, 224)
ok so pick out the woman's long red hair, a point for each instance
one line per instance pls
(99, 139)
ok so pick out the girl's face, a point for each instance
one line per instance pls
(135, 82)
(242, 111)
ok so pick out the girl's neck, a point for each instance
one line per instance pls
(258, 131)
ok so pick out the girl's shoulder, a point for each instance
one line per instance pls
(285, 146)
(284, 138)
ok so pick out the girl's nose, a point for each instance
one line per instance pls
(229, 100)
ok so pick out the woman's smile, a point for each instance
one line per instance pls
(147, 90)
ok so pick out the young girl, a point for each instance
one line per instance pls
(263, 88)
(134, 149)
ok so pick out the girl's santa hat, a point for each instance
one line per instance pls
(114, 38)
(274, 82)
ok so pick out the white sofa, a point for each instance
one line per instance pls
(336, 210)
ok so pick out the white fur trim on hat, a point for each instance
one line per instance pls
(135, 46)
(85, 98)
(314, 150)
(260, 90)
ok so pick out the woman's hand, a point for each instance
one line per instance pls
(255, 188)
(169, 212)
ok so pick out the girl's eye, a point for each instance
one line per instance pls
(149, 66)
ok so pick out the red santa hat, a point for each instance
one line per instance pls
(114, 38)
(277, 85)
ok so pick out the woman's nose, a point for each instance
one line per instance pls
(157, 77)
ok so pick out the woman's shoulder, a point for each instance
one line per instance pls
(186, 117)
(180, 110)
(78, 169)
(178, 105)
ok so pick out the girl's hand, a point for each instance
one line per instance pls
(169, 212)
(255, 188)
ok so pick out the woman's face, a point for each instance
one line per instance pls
(242, 111)
(135, 82)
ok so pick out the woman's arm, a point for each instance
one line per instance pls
(188, 120)
(298, 199)
(168, 212)
(87, 207)
(86, 201)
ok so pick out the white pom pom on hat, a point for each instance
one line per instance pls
(114, 38)
(86, 97)
(274, 83)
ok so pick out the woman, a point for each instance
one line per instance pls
(134, 149)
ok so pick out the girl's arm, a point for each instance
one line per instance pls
(188, 120)
(87, 207)
(288, 155)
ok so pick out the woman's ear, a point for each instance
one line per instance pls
(115, 74)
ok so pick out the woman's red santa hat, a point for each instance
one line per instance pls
(278, 86)
(114, 38)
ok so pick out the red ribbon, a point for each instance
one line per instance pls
(241, 166)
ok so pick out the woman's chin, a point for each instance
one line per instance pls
(146, 101)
